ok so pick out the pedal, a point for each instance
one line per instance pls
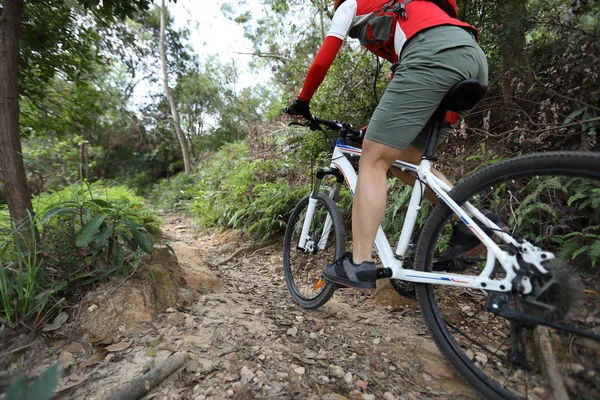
(384, 273)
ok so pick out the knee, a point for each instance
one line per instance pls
(375, 163)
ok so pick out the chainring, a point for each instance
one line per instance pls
(556, 296)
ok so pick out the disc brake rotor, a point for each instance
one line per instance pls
(556, 296)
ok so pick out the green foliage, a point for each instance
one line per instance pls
(175, 193)
(571, 208)
(399, 195)
(22, 296)
(42, 387)
(238, 191)
(86, 232)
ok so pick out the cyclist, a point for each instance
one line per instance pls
(431, 51)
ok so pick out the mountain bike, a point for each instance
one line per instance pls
(518, 319)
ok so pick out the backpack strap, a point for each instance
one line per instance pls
(397, 8)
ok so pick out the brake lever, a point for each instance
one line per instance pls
(297, 123)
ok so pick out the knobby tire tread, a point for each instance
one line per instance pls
(340, 248)
(577, 164)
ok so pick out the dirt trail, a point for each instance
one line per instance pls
(246, 339)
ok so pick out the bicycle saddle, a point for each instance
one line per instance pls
(463, 96)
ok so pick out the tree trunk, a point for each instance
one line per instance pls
(514, 60)
(11, 160)
(169, 92)
(83, 157)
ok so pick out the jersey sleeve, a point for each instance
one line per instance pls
(342, 20)
(320, 66)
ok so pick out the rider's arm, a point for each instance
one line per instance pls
(340, 25)
(320, 66)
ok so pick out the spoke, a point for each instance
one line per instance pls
(473, 341)
(496, 352)
(479, 335)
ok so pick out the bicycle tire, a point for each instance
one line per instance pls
(289, 249)
(571, 164)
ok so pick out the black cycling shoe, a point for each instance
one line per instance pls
(464, 244)
(344, 272)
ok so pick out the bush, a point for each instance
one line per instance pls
(76, 236)
(175, 193)
(237, 190)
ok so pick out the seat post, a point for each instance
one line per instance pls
(438, 122)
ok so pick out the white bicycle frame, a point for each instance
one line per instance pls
(467, 212)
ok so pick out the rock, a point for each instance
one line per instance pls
(282, 375)
(313, 335)
(336, 371)
(229, 247)
(229, 393)
(93, 308)
(75, 348)
(236, 385)
(348, 378)
(334, 396)
(577, 368)
(427, 377)
(481, 358)
(262, 357)
(300, 370)
(322, 379)
(197, 390)
(367, 396)
(246, 375)
(430, 347)
(175, 318)
(185, 297)
(438, 368)
(376, 341)
(276, 270)
(388, 396)
(66, 359)
(201, 397)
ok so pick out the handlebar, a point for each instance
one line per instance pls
(345, 129)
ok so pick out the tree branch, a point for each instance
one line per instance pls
(266, 55)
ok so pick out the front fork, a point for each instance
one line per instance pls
(306, 242)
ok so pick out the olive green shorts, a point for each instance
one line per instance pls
(432, 62)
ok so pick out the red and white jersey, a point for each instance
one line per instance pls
(422, 14)
(352, 14)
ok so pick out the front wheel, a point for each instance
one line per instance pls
(304, 258)
(552, 200)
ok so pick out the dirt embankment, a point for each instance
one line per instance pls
(242, 335)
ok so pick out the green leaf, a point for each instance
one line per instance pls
(129, 242)
(43, 387)
(55, 211)
(18, 389)
(117, 256)
(89, 230)
(141, 237)
(574, 115)
(59, 320)
(578, 252)
(101, 203)
(102, 237)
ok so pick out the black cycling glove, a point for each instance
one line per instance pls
(299, 107)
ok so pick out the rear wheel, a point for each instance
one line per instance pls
(551, 200)
(303, 262)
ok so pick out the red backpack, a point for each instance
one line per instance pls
(377, 34)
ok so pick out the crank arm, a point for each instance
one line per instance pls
(497, 303)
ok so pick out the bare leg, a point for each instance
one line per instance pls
(368, 208)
